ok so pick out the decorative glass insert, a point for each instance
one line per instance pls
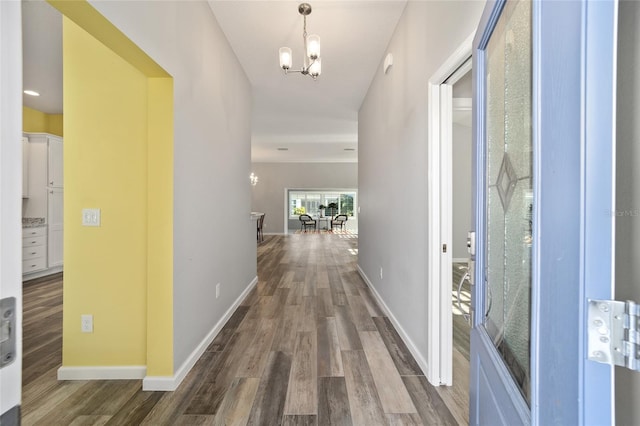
(510, 191)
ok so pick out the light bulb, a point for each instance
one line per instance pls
(285, 58)
(313, 46)
(316, 68)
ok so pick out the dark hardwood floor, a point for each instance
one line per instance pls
(308, 346)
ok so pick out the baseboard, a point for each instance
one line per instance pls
(43, 273)
(120, 372)
(274, 233)
(460, 260)
(422, 362)
(171, 383)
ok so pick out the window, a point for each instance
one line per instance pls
(308, 202)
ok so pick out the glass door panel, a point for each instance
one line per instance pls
(510, 190)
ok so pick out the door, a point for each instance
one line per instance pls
(55, 163)
(55, 226)
(544, 74)
(10, 211)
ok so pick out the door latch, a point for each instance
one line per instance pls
(613, 333)
(7, 331)
(471, 243)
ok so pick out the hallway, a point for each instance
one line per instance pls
(309, 345)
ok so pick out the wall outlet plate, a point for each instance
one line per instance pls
(90, 217)
(86, 323)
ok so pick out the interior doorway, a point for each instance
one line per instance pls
(440, 217)
(461, 210)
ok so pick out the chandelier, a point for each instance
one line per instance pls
(312, 65)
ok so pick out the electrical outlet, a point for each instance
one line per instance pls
(217, 290)
(381, 272)
(86, 323)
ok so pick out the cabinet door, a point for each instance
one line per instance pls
(54, 240)
(25, 168)
(55, 163)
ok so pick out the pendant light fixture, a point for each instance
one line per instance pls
(312, 65)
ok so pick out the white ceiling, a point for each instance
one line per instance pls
(42, 56)
(315, 120)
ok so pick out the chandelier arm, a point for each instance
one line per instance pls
(304, 42)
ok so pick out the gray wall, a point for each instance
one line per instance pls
(628, 193)
(392, 160)
(268, 194)
(461, 201)
(214, 239)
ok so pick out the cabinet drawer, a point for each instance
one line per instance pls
(40, 231)
(33, 252)
(33, 265)
(34, 241)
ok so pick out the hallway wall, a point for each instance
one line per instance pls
(462, 151)
(212, 135)
(392, 163)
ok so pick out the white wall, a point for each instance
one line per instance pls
(461, 202)
(214, 239)
(392, 162)
(628, 193)
(268, 194)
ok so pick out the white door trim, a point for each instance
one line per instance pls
(11, 193)
(440, 122)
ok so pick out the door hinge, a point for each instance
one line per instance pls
(613, 333)
(7, 331)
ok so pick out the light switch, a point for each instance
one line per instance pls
(90, 217)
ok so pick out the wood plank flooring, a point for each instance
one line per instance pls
(308, 346)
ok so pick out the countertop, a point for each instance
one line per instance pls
(33, 222)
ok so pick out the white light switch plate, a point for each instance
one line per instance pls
(90, 217)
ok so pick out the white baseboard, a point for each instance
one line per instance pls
(274, 233)
(171, 383)
(460, 260)
(121, 372)
(43, 273)
(417, 355)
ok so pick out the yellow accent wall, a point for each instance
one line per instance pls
(105, 160)
(118, 157)
(56, 124)
(35, 121)
(160, 228)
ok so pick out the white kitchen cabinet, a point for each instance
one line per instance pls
(45, 201)
(25, 168)
(55, 163)
(34, 253)
(36, 204)
(55, 222)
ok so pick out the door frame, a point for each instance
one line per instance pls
(10, 181)
(439, 195)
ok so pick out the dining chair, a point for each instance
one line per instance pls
(307, 221)
(340, 220)
(260, 231)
